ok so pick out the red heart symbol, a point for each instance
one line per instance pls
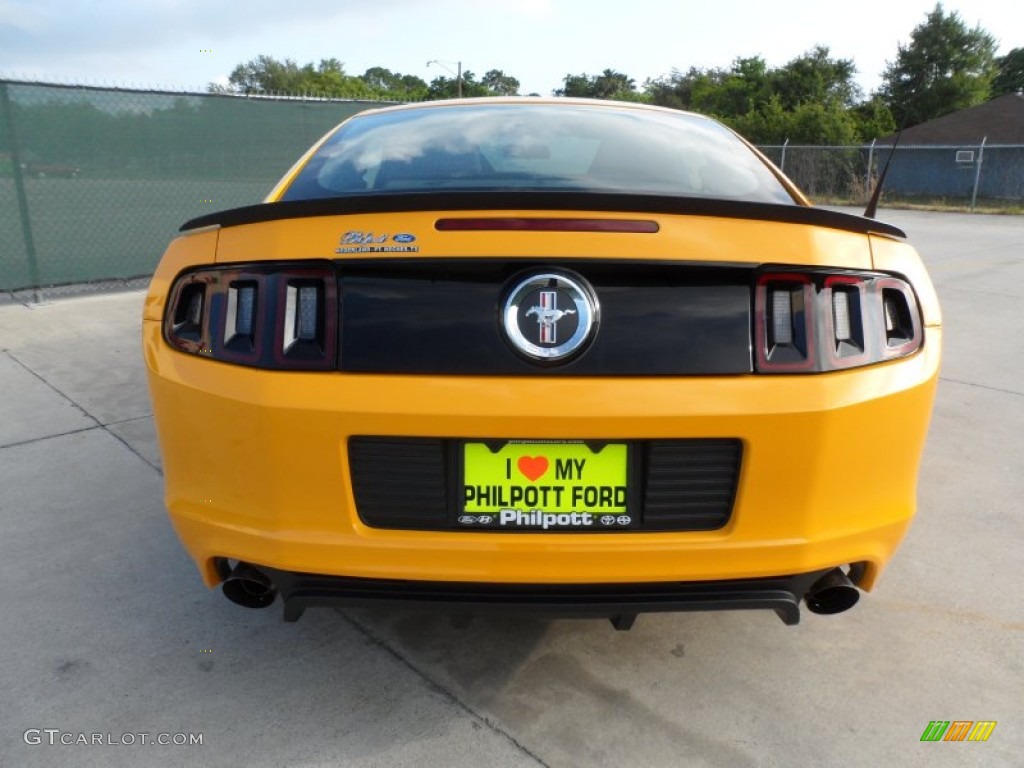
(533, 466)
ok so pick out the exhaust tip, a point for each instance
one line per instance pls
(248, 587)
(832, 593)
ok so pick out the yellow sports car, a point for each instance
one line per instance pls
(589, 358)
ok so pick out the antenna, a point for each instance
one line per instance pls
(869, 212)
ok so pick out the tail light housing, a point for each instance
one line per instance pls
(188, 318)
(785, 333)
(816, 321)
(901, 318)
(266, 316)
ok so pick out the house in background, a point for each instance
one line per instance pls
(947, 156)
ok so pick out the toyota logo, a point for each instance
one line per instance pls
(550, 316)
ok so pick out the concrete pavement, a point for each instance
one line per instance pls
(107, 629)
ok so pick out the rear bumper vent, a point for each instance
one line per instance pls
(690, 485)
(400, 482)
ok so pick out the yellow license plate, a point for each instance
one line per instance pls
(534, 485)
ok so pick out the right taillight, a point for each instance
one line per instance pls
(846, 320)
(901, 319)
(816, 321)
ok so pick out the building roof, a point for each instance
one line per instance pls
(999, 121)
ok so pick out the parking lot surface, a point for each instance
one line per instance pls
(106, 628)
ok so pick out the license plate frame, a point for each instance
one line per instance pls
(599, 482)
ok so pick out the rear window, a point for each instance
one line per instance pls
(519, 146)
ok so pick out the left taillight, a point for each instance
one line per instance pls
(266, 316)
(816, 321)
(189, 313)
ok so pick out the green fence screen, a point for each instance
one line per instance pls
(95, 182)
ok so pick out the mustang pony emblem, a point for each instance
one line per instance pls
(548, 314)
(541, 330)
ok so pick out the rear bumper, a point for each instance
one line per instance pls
(256, 468)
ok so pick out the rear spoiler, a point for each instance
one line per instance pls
(542, 201)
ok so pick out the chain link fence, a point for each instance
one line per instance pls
(948, 175)
(94, 182)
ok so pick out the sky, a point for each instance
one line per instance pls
(187, 44)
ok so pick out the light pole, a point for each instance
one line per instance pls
(458, 75)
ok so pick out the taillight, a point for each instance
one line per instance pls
(902, 321)
(189, 312)
(268, 316)
(240, 316)
(785, 329)
(846, 298)
(813, 321)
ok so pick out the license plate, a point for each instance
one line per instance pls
(543, 486)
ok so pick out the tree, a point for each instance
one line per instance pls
(749, 85)
(329, 79)
(826, 124)
(614, 85)
(815, 78)
(1011, 73)
(381, 79)
(575, 86)
(768, 125)
(385, 84)
(608, 85)
(874, 119)
(720, 92)
(744, 88)
(265, 74)
(810, 100)
(945, 67)
(675, 90)
(448, 87)
(500, 84)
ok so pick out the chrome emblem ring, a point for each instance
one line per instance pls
(550, 316)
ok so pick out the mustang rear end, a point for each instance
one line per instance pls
(591, 359)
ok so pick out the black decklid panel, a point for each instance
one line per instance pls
(443, 317)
